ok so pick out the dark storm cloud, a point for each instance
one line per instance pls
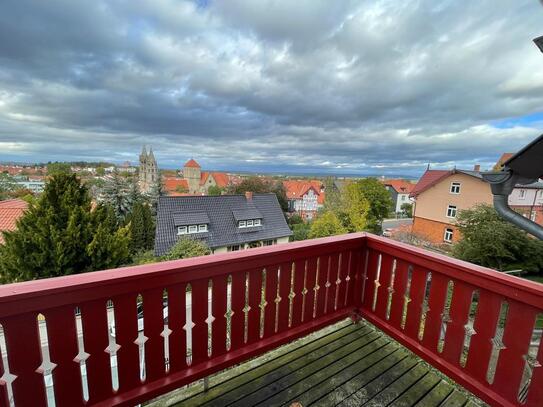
(346, 86)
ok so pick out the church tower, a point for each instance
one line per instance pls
(192, 172)
(148, 170)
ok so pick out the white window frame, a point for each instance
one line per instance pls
(533, 216)
(202, 228)
(455, 188)
(452, 209)
(257, 222)
(249, 223)
(242, 224)
(193, 229)
(522, 194)
(448, 235)
(182, 230)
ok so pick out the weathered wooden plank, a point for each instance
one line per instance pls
(365, 369)
(437, 395)
(417, 391)
(455, 399)
(309, 377)
(292, 359)
(364, 394)
(279, 379)
(398, 387)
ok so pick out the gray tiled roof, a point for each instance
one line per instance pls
(222, 229)
(246, 213)
(190, 218)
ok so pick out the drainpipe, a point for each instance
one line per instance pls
(502, 184)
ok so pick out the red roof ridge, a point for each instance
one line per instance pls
(192, 164)
(428, 179)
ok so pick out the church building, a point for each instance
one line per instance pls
(148, 171)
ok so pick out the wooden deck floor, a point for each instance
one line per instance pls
(343, 365)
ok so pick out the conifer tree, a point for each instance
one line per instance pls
(60, 234)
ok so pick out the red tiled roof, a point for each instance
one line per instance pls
(429, 178)
(10, 211)
(221, 179)
(401, 186)
(297, 189)
(171, 183)
(192, 164)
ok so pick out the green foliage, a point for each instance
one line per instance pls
(214, 190)
(407, 209)
(295, 219)
(356, 207)
(7, 186)
(142, 227)
(121, 194)
(380, 202)
(100, 171)
(327, 224)
(260, 186)
(300, 231)
(58, 168)
(186, 248)
(333, 201)
(145, 257)
(490, 241)
(181, 189)
(61, 235)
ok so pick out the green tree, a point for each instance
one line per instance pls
(380, 202)
(259, 185)
(58, 168)
(300, 231)
(214, 190)
(295, 219)
(407, 209)
(327, 224)
(7, 186)
(355, 208)
(118, 194)
(142, 228)
(186, 248)
(490, 241)
(333, 201)
(61, 235)
(100, 171)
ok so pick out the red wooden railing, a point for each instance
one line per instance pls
(123, 336)
(480, 327)
(127, 335)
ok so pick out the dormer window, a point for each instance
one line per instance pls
(190, 229)
(249, 223)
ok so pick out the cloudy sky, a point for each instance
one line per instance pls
(366, 86)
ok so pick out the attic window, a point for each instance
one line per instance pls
(249, 223)
(190, 229)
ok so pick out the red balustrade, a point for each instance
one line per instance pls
(479, 327)
(120, 337)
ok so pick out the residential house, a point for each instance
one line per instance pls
(399, 190)
(225, 222)
(305, 197)
(440, 195)
(35, 186)
(10, 211)
(528, 200)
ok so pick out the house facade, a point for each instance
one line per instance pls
(305, 197)
(528, 200)
(399, 190)
(439, 196)
(225, 222)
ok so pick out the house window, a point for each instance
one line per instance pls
(403, 198)
(257, 222)
(522, 194)
(242, 224)
(234, 248)
(269, 242)
(202, 228)
(250, 223)
(448, 236)
(455, 187)
(182, 230)
(193, 229)
(451, 211)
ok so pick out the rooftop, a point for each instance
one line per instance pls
(10, 211)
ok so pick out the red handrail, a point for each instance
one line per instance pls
(87, 338)
(474, 324)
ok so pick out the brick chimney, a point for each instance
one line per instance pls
(249, 195)
(476, 167)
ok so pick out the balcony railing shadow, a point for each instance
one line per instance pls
(124, 336)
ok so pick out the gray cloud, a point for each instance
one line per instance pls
(348, 87)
